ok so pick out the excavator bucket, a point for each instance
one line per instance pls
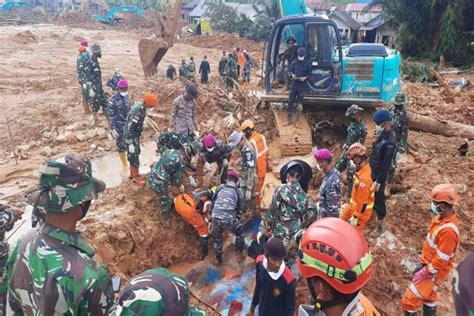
(151, 52)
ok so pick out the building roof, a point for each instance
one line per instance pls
(376, 22)
(344, 16)
(249, 10)
(199, 10)
(192, 4)
(362, 7)
(318, 5)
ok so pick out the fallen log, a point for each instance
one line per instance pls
(447, 91)
(440, 127)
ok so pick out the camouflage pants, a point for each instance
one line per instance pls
(219, 226)
(3, 284)
(290, 245)
(120, 142)
(341, 165)
(392, 169)
(133, 156)
(98, 100)
(162, 189)
(249, 205)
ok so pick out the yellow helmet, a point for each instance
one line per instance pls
(246, 124)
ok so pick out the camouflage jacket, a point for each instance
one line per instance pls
(231, 67)
(118, 109)
(134, 125)
(7, 220)
(172, 140)
(228, 202)
(290, 54)
(400, 123)
(222, 65)
(156, 292)
(356, 133)
(183, 116)
(191, 68)
(93, 73)
(81, 67)
(288, 212)
(330, 194)
(184, 72)
(248, 166)
(113, 81)
(52, 272)
(169, 169)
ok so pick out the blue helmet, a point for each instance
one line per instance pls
(301, 51)
(381, 116)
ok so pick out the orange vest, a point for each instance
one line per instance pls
(241, 59)
(369, 309)
(439, 247)
(259, 144)
(362, 196)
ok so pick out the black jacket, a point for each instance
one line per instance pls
(383, 150)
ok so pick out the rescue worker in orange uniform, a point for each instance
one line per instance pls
(335, 270)
(259, 144)
(359, 209)
(437, 255)
(194, 209)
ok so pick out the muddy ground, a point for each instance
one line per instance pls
(41, 101)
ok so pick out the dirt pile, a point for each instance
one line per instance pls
(18, 16)
(78, 20)
(25, 37)
(223, 41)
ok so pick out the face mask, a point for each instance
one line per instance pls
(210, 149)
(378, 128)
(434, 209)
(300, 57)
(123, 94)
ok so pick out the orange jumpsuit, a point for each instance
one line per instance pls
(438, 254)
(186, 207)
(362, 199)
(259, 144)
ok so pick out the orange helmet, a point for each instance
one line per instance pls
(82, 49)
(356, 149)
(246, 124)
(150, 99)
(444, 193)
(335, 251)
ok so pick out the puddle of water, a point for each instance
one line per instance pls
(108, 168)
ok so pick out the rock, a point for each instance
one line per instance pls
(422, 159)
(100, 131)
(46, 151)
(93, 146)
(100, 148)
(24, 147)
(47, 135)
(76, 126)
(90, 134)
(61, 138)
(71, 139)
(81, 137)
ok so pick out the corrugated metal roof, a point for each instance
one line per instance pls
(192, 4)
(344, 16)
(374, 23)
(199, 10)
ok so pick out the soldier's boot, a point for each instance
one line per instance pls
(203, 247)
(85, 106)
(123, 160)
(379, 230)
(136, 178)
(429, 310)
(290, 118)
(219, 259)
(387, 190)
(407, 313)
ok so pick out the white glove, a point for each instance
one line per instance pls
(398, 156)
(248, 195)
(207, 167)
(376, 186)
(259, 237)
(353, 221)
(84, 86)
(91, 93)
(115, 134)
(181, 189)
(131, 149)
(225, 162)
(196, 134)
(192, 181)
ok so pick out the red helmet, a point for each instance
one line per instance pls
(335, 251)
(444, 193)
(356, 149)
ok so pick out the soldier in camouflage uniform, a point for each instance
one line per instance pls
(289, 211)
(213, 151)
(191, 68)
(172, 140)
(399, 118)
(81, 69)
(330, 189)
(94, 81)
(228, 205)
(184, 71)
(8, 217)
(118, 108)
(156, 292)
(231, 72)
(248, 168)
(356, 133)
(183, 112)
(112, 82)
(132, 132)
(170, 72)
(52, 271)
(169, 171)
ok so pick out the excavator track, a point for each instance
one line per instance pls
(296, 137)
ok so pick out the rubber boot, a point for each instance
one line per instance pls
(85, 106)
(429, 310)
(203, 248)
(123, 160)
(379, 230)
(410, 313)
(290, 118)
(219, 259)
(388, 187)
(136, 178)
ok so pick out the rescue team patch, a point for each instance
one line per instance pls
(362, 185)
(276, 292)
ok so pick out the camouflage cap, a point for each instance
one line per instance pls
(156, 292)
(65, 182)
(354, 109)
(400, 98)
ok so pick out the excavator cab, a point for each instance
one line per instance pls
(321, 39)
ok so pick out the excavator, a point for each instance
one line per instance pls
(364, 74)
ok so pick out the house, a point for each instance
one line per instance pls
(361, 12)
(346, 25)
(187, 8)
(197, 12)
(323, 7)
(380, 30)
(249, 10)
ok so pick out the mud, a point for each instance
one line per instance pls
(41, 99)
